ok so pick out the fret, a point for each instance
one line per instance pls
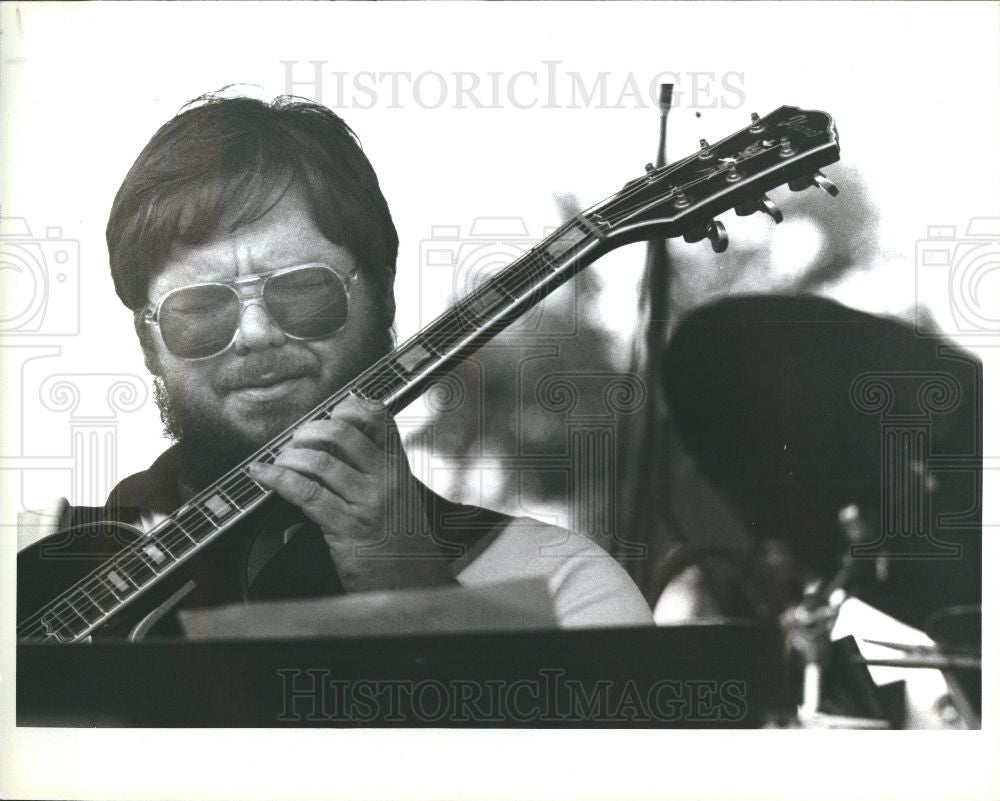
(592, 227)
(375, 393)
(247, 487)
(380, 387)
(546, 260)
(503, 290)
(192, 522)
(241, 490)
(76, 611)
(108, 587)
(268, 455)
(431, 347)
(86, 608)
(534, 270)
(383, 374)
(93, 600)
(147, 561)
(398, 372)
(138, 571)
(203, 515)
(177, 525)
(511, 282)
(175, 539)
(254, 486)
(54, 625)
(225, 495)
(101, 584)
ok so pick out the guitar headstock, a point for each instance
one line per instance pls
(788, 145)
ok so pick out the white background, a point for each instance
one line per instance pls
(913, 88)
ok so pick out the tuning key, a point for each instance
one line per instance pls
(764, 204)
(717, 236)
(816, 179)
(715, 232)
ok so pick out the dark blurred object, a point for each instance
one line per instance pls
(959, 630)
(849, 691)
(796, 407)
(703, 676)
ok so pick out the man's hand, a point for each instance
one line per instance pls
(351, 477)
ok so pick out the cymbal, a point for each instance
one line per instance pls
(789, 405)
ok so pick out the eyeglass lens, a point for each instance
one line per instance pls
(200, 321)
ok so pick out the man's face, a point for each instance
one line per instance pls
(240, 399)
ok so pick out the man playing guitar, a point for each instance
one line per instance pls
(255, 248)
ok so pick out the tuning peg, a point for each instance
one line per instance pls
(715, 232)
(764, 204)
(717, 236)
(816, 179)
(756, 126)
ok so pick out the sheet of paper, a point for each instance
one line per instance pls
(522, 604)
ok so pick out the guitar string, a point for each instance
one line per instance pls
(529, 264)
(613, 218)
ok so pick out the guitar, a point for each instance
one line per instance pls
(154, 571)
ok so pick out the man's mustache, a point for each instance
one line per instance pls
(264, 369)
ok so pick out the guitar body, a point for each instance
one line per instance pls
(254, 561)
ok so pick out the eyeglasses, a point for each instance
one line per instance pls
(198, 321)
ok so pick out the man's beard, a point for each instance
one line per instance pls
(209, 445)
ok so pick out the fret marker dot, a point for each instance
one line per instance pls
(115, 579)
(154, 553)
(218, 507)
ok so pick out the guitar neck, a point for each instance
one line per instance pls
(400, 377)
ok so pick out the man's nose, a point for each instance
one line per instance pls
(257, 331)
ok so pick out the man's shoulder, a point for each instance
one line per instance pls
(154, 489)
(588, 587)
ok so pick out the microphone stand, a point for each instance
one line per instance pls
(648, 473)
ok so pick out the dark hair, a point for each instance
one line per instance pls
(229, 161)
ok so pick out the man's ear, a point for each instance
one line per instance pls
(145, 334)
